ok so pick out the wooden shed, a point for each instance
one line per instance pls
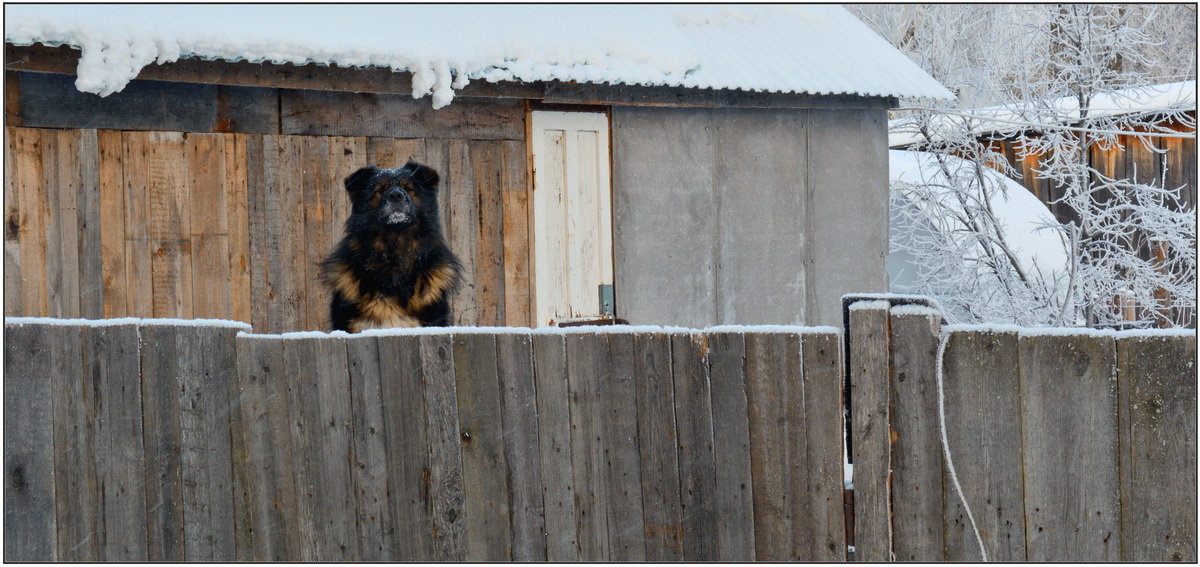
(684, 165)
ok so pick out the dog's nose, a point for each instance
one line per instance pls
(394, 194)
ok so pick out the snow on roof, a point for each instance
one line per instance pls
(1000, 119)
(816, 49)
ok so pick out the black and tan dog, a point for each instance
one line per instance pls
(392, 268)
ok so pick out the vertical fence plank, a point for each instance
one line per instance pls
(60, 182)
(369, 435)
(209, 225)
(12, 227)
(76, 492)
(516, 238)
(29, 475)
(138, 249)
(408, 440)
(693, 425)
(460, 199)
(799, 483)
(336, 512)
(869, 346)
(161, 374)
(207, 373)
(237, 218)
(485, 482)
(112, 223)
(587, 365)
(110, 358)
(554, 445)
(305, 427)
(90, 269)
(488, 174)
(514, 361)
(619, 406)
(659, 455)
(284, 262)
(1070, 458)
(27, 147)
(1158, 447)
(731, 444)
(765, 388)
(917, 452)
(264, 456)
(169, 224)
(320, 233)
(445, 459)
(821, 360)
(982, 392)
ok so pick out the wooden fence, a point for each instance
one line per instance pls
(144, 440)
(1067, 446)
(137, 440)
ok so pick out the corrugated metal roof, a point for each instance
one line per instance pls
(817, 49)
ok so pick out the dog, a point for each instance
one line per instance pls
(393, 267)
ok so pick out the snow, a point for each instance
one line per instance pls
(902, 310)
(818, 49)
(999, 119)
(790, 329)
(125, 321)
(1021, 215)
(872, 304)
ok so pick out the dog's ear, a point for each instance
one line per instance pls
(359, 179)
(423, 174)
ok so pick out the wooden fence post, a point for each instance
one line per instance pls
(587, 365)
(658, 455)
(522, 453)
(917, 449)
(626, 534)
(29, 499)
(1157, 377)
(693, 428)
(731, 445)
(445, 458)
(823, 375)
(869, 340)
(554, 444)
(766, 406)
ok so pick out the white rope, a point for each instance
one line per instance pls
(941, 353)
(1056, 126)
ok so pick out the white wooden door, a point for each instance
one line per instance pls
(572, 214)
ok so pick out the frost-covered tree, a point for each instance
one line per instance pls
(1052, 69)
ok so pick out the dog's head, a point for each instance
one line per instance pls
(394, 198)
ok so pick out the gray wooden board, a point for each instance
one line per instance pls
(266, 482)
(29, 475)
(445, 458)
(369, 435)
(554, 444)
(917, 452)
(796, 448)
(91, 273)
(110, 355)
(330, 113)
(250, 110)
(305, 427)
(485, 474)
(1072, 502)
(821, 361)
(731, 444)
(242, 474)
(336, 512)
(982, 395)
(765, 398)
(522, 451)
(1157, 378)
(759, 176)
(656, 441)
(258, 235)
(663, 192)
(618, 402)
(588, 364)
(870, 429)
(407, 445)
(207, 370)
(161, 377)
(76, 491)
(52, 101)
(694, 437)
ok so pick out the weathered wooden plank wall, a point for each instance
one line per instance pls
(1057, 438)
(204, 445)
(106, 223)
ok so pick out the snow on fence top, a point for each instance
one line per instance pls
(817, 49)
(1009, 119)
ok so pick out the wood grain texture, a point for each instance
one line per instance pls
(238, 221)
(138, 248)
(823, 377)
(488, 173)
(330, 113)
(694, 438)
(321, 231)
(516, 238)
(30, 530)
(522, 448)
(485, 478)
(169, 225)
(112, 223)
(656, 441)
(982, 389)
(554, 445)
(29, 147)
(161, 377)
(618, 402)
(917, 452)
(870, 421)
(369, 435)
(60, 183)
(766, 412)
(12, 222)
(731, 444)
(209, 226)
(445, 458)
(406, 422)
(460, 213)
(88, 225)
(52, 101)
(77, 495)
(1157, 378)
(587, 366)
